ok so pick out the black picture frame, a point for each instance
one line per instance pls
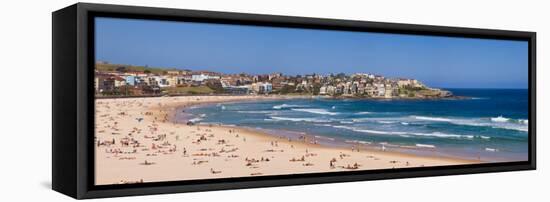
(73, 100)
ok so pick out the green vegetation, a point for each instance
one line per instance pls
(287, 89)
(316, 88)
(414, 91)
(429, 93)
(189, 90)
(215, 86)
(125, 68)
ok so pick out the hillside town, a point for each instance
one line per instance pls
(120, 80)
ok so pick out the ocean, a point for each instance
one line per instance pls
(490, 124)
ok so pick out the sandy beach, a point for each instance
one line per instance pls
(137, 141)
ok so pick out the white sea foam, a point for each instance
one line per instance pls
(425, 145)
(499, 124)
(324, 138)
(195, 120)
(344, 127)
(496, 122)
(518, 125)
(380, 132)
(364, 142)
(285, 106)
(381, 119)
(254, 112)
(357, 141)
(524, 121)
(500, 119)
(491, 149)
(315, 111)
(427, 118)
(361, 113)
(405, 134)
(314, 120)
(443, 135)
(386, 122)
(374, 119)
(512, 127)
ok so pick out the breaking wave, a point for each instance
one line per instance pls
(286, 106)
(425, 145)
(195, 120)
(500, 119)
(426, 118)
(433, 134)
(494, 122)
(387, 122)
(313, 120)
(316, 111)
(255, 112)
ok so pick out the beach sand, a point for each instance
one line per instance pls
(136, 141)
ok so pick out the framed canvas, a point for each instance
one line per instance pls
(156, 100)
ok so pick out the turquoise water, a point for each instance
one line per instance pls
(491, 125)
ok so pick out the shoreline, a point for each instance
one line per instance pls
(136, 142)
(324, 141)
(453, 97)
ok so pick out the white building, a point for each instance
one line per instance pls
(323, 90)
(381, 89)
(202, 77)
(410, 82)
(261, 88)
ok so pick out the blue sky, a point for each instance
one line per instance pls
(437, 61)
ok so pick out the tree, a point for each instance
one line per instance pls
(286, 89)
(121, 69)
(316, 89)
(215, 85)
